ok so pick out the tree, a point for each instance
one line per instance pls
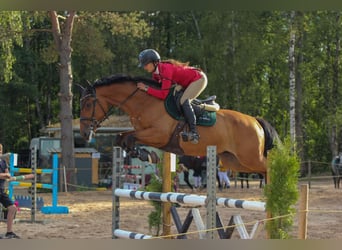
(62, 34)
(292, 78)
(10, 35)
(299, 87)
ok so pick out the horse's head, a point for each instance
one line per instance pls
(93, 112)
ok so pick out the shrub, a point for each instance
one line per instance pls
(282, 191)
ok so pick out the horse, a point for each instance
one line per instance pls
(241, 141)
(336, 170)
(197, 164)
(244, 178)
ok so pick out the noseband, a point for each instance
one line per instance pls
(94, 122)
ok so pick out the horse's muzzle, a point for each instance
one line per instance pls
(88, 134)
(91, 135)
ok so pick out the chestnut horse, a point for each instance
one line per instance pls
(241, 141)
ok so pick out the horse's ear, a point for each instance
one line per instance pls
(89, 83)
(80, 88)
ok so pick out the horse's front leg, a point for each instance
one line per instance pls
(126, 140)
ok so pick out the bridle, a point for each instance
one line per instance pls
(94, 123)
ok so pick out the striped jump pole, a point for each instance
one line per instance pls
(27, 184)
(190, 199)
(118, 233)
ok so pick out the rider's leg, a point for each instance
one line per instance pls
(194, 89)
(191, 92)
(190, 118)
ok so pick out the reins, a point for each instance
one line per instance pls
(94, 123)
(128, 97)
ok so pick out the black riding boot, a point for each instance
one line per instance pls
(190, 118)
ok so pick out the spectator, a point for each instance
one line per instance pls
(5, 199)
(223, 176)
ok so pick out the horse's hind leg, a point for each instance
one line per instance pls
(186, 179)
(335, 181)
(261, 177)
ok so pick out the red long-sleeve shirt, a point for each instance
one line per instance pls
(167, 74)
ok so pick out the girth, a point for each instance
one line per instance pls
(173, 144)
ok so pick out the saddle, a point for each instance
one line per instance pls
(205, 110)
(208, 104)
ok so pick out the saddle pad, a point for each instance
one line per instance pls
(207, 118)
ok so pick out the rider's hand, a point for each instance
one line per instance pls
(142, 86)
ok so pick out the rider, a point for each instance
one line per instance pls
(170, 72)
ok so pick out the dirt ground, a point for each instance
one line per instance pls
(90, 214)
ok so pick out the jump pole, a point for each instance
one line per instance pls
(117, 164)
(193, 199)
(166, 188)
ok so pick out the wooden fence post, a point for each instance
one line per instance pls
(303, 211)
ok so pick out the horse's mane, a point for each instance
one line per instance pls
(120, 78)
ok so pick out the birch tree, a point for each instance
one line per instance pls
(292, 79)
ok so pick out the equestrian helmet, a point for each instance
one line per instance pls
(148, 55)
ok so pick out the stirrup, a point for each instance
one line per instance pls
(193, 137)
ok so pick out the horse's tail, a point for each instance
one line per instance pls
(271, 135)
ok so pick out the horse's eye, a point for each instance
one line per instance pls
(86, 104)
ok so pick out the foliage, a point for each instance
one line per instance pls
(155, 217)
(10, 35)
(156, 185)
(282, 191)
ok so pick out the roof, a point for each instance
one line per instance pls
(114, 124)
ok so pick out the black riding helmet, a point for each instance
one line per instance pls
(148, 55)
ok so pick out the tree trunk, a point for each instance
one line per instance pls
(299, 92)
(233, 60)
(334, 146)
(200, 39)
(62, 39)
(292, 80)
